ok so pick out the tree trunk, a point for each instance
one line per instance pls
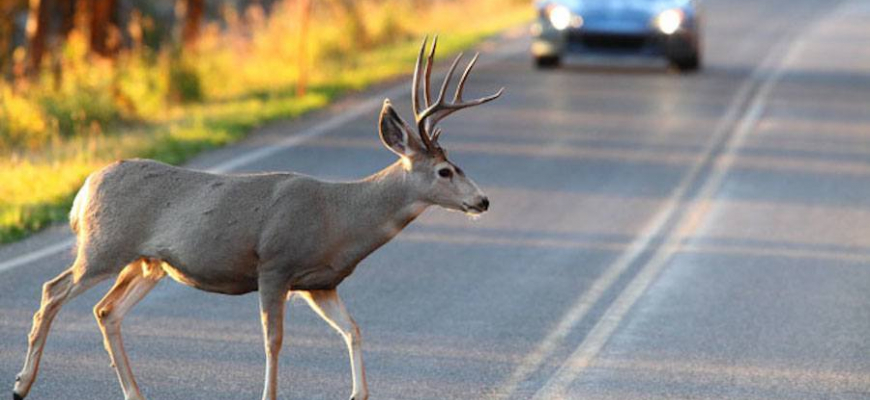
(105, 36)
(7, 27)
(37, 27)
(67, 9)
(192, 20)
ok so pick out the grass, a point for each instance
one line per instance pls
(55, 135)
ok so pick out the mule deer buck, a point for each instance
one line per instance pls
(279, 233)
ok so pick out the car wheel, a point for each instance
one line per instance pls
(547, 62)
(689, 63)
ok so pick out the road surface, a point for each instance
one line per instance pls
(651, 236)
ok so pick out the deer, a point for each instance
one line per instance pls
(281, 234)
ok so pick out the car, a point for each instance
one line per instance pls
(656, 28)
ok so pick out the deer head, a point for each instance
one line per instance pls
(438, 180)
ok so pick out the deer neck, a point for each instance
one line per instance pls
(382, 204)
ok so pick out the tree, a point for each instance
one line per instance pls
(105, 35)
(193, 11)
(67, 10)
(37, 27)
(8, 10)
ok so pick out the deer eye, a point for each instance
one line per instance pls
(445, 172)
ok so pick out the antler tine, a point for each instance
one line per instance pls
(439, 103)
(415, 84)
(429, 61)
(435, 112)
(447, 79)
(457, 98)
(458, 104)
(415, 90)
(448, 109)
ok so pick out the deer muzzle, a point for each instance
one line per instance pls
(478, 206)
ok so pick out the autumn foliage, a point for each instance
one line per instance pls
(86, 82)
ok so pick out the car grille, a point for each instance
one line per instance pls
(616, 42)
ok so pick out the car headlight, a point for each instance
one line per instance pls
(669, 21)
(560, 16)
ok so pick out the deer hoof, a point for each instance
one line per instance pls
(15, 396)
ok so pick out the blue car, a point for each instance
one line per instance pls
(658, 28)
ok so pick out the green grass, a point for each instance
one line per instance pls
(39, 192)
(47, 164)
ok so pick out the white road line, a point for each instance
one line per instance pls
(590, 297)
(57, 248)
(585, 353)
(319, 129)
(370, 103)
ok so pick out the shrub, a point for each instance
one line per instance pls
(141, 87)
(22, 122)
(184, 81)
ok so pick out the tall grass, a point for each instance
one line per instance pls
(83, 113)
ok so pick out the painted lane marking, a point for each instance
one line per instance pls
(601, 332)
(366, 105)
(319, 129)
(47, 251)
(752, 91)
(608, 278)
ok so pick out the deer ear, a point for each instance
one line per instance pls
(396, 134)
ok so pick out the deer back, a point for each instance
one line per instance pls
(206, 227)
(222, 232)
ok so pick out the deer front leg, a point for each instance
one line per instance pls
(272, 316)
(330, 307)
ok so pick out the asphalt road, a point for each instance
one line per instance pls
(651, 236)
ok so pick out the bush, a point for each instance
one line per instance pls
(22, 122)
(184, 81)
(82, 110)
(141, 88)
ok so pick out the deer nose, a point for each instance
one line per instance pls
(484, 204)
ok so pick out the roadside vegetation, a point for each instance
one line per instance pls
(167, 94)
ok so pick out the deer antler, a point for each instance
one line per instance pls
(432, 113)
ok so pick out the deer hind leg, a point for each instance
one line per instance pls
(329, 306)
(134, 282)
(55, 293)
